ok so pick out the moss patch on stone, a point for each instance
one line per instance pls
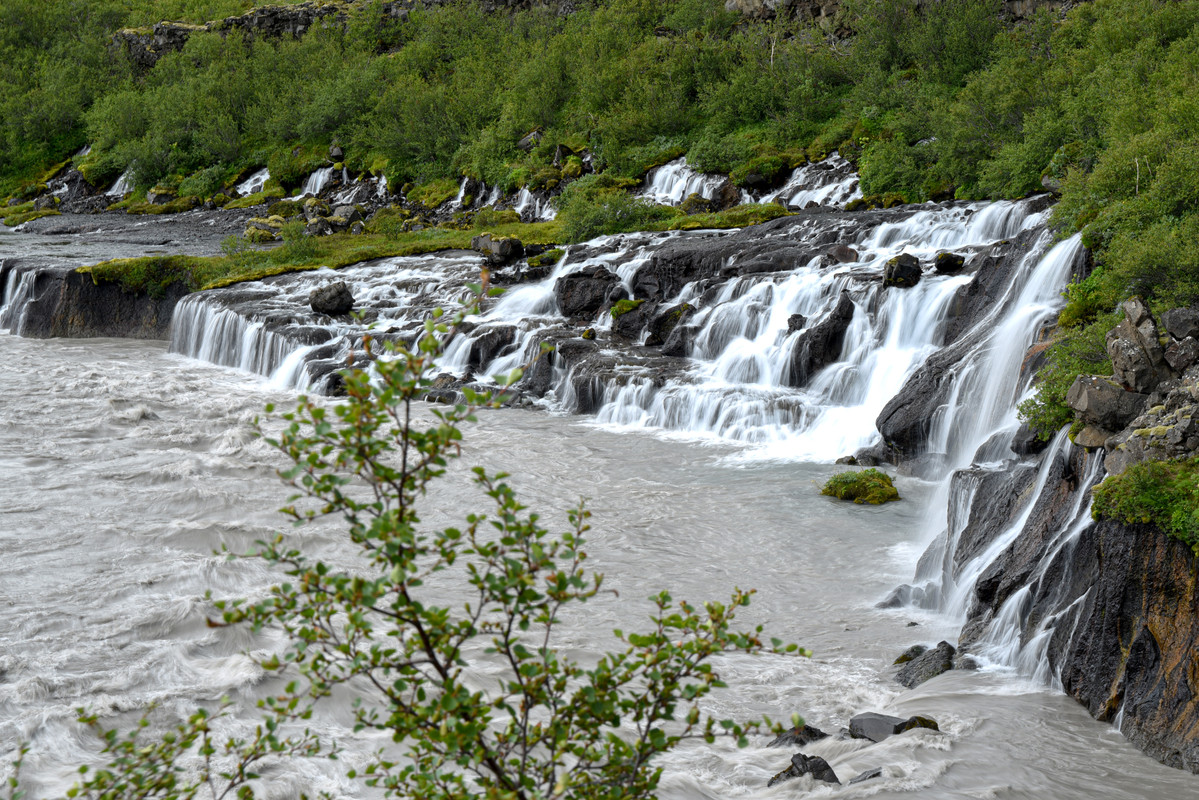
(434, 193)
(868, 486)
(1163, 493)
(175, 206)
(623, 307)
(20, 217)
(737, 217)
(548, 258)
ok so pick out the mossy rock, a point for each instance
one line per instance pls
(868, 486)
(573, 167)
(623, 307)
(259, 235)
(12, 220)
(285, 209)
(548, 258)
(176, 206)
(434, 193)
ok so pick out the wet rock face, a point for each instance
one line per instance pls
(583, 293)
(927, 665)
(1132, 647)
(876, 727)
(902, 271)
(820, 345)
(802, 765)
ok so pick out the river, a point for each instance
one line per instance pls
(125, 468)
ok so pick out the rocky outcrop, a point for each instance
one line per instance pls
(876, 727)
(333, 299)
(820, 345)
(584, 293)
(802, 765)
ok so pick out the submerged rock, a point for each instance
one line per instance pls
(802, 765)
(867, 775)
(798, 737)
(927, 665)
(876, 727)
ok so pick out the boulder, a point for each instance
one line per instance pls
(820, 344)
(802, 765)
(927, 665)
(336, 153)
(159, 197)
(662, 325)
(489, 343)
(1182, 355)
(1138, 358)
(584, 293)
(798, 737)
(318, 226)
(949, 263)
(915, 651)
(841, 254)
(633, 318)
(903, 271)
(867, 775)
(1182, 323)
(1026, 442)
(1100, 401)
(796, 322)
(678, 344)
(530, 140)
(348, 213)
(1091, 437)
(499, 250)
(695, 203)
(333, 299)
(876, 727)
(45, 202)
(314, 207)
(727, 196)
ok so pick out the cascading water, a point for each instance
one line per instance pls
(18, 292)
(316, 182)
(123, 185)
(831, 182)
(533, 209)
(672, 183)
(254, 183)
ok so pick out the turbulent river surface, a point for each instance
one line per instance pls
(125, 468)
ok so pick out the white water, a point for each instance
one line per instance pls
(18, 291)
(316, 182)
(831, 182)
(672, 183)
(123, 185)
(254, 183)
(533, 209)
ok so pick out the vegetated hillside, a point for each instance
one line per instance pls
(931, 100)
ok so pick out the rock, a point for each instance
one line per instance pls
(159, 197)
(802, 765)
(915, 651)
(1138, 359)
(949, 263)
(314, 207)
(727, 196)
(821, 344)
(357, 229)
(318, 226)
(798, 737)
(695, 203)
(489, 343)
(868, 775)
(876, 727)
(333, 299)
(630, 323)
(903, 271)
(678, 344)
(1026, 442)
(851, 461)
(927, 665)
(583, 293)
(499, 250)
(349, 214)
(336, 153)
(664, 324)
(1092, 437)
(1182, 323)
(46, 202)
(530, 140)
(796, 322)
(1101, 402)
(1182, 355)
(842, 254)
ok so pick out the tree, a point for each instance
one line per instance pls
(549, 727)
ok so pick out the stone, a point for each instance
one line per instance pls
(632, 322)
(1026, 442)
(867, 775)
(46, 202)
(796, 322)
(349, 214)
(876, 727)
(333, 299)
(357, 229)
(159, 197)
(949, 263)
(530, 140)
(499, 250)
(851, 461)
(1138, 359)
(336, 153)
(1092, 437)
(678, 344)
(1182, 355)
(802, 765)
(664, 324)
(315, 207)
(583, 293)
(842, 254)
(318, 226)
(902, 272)
(1101, 402)
(491, 342)
(915, 651)
(927, 665)
(695, 203)
(820, 344)
(727, 196)
(798, 737)
(1182, 323)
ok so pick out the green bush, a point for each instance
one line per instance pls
(1075, 351)
(867, 486)
(1165, 494)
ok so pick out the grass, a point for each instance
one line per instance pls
(257, 198)
(19, 217)
(868, 486)
(1163, 493)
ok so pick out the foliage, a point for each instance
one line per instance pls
(21, 217)
(866, 486)
(547, 726)
(1076, 351)
(589, 208)
(1164, 493)
(622, 307)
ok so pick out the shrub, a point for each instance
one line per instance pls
(1164, 493)
(1075, 351)
(867, 486)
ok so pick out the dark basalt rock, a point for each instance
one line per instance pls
(876, 727)
(903, 271)
(664, 324)
(798, 737)
(821, 344)
(583, 293)
(841, 254)
(631, 323)
(333, 299)
(1026, 442)
(915, 651)
(1102, 402)
(927, 665)
(1182, 323)
(498, 251)
(796, 322)
(678, 344)
(489, 344)
(802, 765)
(949, 263)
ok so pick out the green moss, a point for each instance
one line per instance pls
(285, 209)
(1163, 493)
(623, 307)
(12, 220)
(868, 486)
(548, 258)
(268, 193)
(434, 193)
(176, 206)
(737, 217)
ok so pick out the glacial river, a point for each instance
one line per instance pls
(124, 469)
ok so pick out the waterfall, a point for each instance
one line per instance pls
(530, 208)
(672, 183)
(831, 182)
(18, 292)
(316, 182)
(254, 183)
(457, 202)
(123, 185)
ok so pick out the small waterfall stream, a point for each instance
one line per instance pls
(254, 183)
